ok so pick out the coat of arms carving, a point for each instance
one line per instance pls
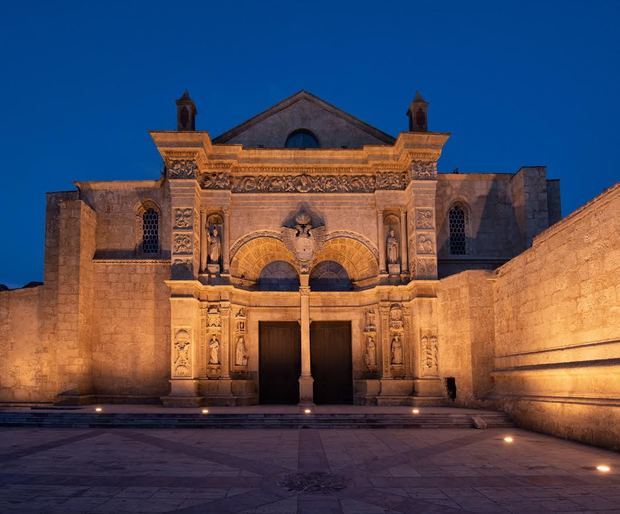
(303, 240)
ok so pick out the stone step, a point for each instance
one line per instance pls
(225, 420)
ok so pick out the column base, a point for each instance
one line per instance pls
(306, 391)
(183, 393)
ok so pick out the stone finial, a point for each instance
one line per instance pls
(418, 114)
(186, 112)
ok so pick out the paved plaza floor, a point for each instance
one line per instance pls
(305, 471)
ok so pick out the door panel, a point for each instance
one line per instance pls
(279, 362)
(330, 350)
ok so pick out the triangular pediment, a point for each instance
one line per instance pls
(333, 127)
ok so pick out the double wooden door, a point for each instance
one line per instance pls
(280, 362)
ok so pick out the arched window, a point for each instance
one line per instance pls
(278, 276)
(150, 231)
(457, 219)
(301, 138)
(330, 276)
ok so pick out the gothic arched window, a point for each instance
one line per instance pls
(457, 219)
(150, 231)
(301, 138)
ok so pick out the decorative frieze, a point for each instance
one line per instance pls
(430, 363)
(182, 243)
(215, 181)
(183, 218)
(181, 168)
(423, 170)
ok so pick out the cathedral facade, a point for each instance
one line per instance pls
(301, 257)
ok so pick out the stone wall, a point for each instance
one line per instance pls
(557, 327)
(131, 332)
(466, 334)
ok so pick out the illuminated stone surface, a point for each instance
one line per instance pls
(527, 320)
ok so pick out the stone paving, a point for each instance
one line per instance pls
(304, 471)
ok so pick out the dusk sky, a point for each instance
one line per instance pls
(516, 83)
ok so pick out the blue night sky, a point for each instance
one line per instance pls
(516, 83)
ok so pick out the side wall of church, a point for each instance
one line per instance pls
(466, 334)
(557, 327)
(131, 332)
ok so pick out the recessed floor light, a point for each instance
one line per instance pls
(205, 411)
(307, 411)
(415, 411)
(98, 409)
(508, 439)
(603, 468)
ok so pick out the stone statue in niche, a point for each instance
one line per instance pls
(241, 352)
(214, 350)
(182, 359)
(214, 249)
(396, 351)
(370, 357)
(392, 249)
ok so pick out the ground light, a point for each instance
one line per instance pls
(307, 411)
(416, 411)
(603, 468)
(205, 411)
(98, 409)
(508, 439)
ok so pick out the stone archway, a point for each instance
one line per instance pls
(253, 256)
(357, 259)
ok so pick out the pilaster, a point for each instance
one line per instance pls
(306, 382)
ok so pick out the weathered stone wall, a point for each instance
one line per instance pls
(557, 327)
(466, 334)
(131, 332)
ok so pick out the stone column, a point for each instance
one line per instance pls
(225, 350)
(226, 242)
(403, 241)
(381, 237)
(203, 241)
(384, 314)
(306, 382)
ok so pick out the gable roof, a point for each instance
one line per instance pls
(292, 100)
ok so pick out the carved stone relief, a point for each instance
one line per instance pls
(430, 354)
(215, 181)
(370, 321)
(181, 168)
(241, 352)
(182, 244)
(182, 363)
(183, 218)
(370, 355)
(303, 240)
(425, 244)
(426, 268)
(396, 318)
(424, 218)
(423, 170)
(214, 320)
(214, 350)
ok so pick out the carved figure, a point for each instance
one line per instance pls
(241, 352)
(214, 350)
(371, 353)
(397, 350)
(370, 320)
(214, 242)
(391, 247)
(182, 359)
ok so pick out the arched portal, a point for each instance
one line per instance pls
(330, 276)
(278, 276)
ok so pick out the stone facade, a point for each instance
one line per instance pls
(155, 290)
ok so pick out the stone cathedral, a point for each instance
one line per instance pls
(301, 257)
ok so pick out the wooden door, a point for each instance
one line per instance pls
(279, 362)
(330, 350)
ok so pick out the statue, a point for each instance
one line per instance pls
(214, 242)
(371, 353)
(392, 247)
(397, 351)
(241, 352)
(214, 351)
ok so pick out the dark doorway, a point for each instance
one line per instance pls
(451, 388)
(330, 351)
(279, 362)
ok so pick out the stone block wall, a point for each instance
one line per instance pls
(466, 334)
(131, 330)
(557, 327)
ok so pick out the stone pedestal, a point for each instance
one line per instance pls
(183, 393)
(394, 269)
(306, 390)
(395, 392)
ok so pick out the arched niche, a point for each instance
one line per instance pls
(355, 257)
(252, 256)
(330, 276)
(278, 276)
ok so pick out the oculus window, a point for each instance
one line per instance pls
(301, 138)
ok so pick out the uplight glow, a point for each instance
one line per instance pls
(603, 468)
(307, 411)
(98, 409)
(416, 411)
(205, 411)
(508, 439)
